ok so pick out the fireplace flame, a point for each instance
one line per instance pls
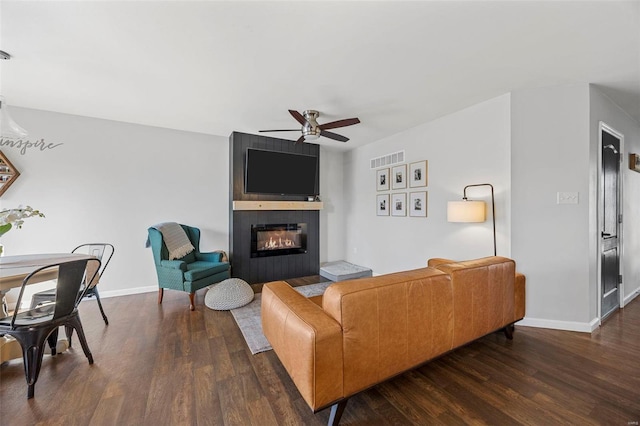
(274, 244)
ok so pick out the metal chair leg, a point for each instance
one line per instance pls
(75, 323)
(68, 330)
(32, 353)
(52, 339)
(104, 317)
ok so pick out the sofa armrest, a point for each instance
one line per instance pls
(307, 341)
(174, 264)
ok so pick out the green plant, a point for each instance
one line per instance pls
(15, 218)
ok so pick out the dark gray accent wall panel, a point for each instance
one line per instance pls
(239, 142)
(263, 269)
(272, 268)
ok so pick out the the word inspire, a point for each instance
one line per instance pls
(23, 145)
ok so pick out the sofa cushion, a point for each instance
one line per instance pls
(199, 269)
(483, 291)
(317, 300)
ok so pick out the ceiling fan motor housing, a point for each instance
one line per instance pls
(311, 129)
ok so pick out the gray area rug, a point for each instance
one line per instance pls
(248, 317)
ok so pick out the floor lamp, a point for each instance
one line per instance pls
(468, 211)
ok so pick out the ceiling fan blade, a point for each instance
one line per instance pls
(299, 118)
(300, 139)
(333, 136)
(340, 123)
(281, 130)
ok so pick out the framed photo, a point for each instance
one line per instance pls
(418, 204)
(399, 177)
(399, 204)
(634, 162)
(418, 174)
(382, 205)
(382, 180)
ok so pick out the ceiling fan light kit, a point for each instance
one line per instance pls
(311, 130)
(9, 129)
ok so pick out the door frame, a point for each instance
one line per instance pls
(604, 127)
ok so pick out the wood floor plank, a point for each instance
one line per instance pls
(405, 401)
(275, 391)
(222, 366)
(164, 364)
(207, 402)
(234, 403)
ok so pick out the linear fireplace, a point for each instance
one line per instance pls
(278, 239)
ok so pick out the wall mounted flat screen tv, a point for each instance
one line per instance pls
(282, 173)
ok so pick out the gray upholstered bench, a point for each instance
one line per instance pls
(341, 270)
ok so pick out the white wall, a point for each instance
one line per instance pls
(555, 148)
(550, 153)
(332, 195)
(602, 109)
(109, 181)
(467, 147)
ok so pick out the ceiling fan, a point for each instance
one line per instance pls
(311, 130)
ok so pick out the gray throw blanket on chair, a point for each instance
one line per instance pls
(175, 239)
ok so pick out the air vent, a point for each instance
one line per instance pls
(387, 160)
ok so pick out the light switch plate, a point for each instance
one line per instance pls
(568, 198)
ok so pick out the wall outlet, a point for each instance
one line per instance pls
(568, 198)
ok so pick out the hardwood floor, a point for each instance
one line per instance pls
(167, 365)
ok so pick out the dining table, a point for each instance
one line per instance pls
(13, 271)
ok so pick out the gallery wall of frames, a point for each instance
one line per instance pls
(402, 190)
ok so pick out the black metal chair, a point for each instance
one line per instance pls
(32, 328)
(101, 251)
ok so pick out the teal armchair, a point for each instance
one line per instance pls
(190, 273)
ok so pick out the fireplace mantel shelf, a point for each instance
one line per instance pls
(277, 205)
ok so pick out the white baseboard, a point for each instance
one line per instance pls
(583, 327)
(128, 291)
(103, 295)
(630, 297)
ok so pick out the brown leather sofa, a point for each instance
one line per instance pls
(364, 331)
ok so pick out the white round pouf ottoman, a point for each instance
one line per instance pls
(228, 294)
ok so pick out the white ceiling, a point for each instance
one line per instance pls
(217, 67)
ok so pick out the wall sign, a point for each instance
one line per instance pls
(23, 145)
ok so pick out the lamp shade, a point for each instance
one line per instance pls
(9, 129)
(466, 211)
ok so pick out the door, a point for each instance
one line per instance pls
(611, 220)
